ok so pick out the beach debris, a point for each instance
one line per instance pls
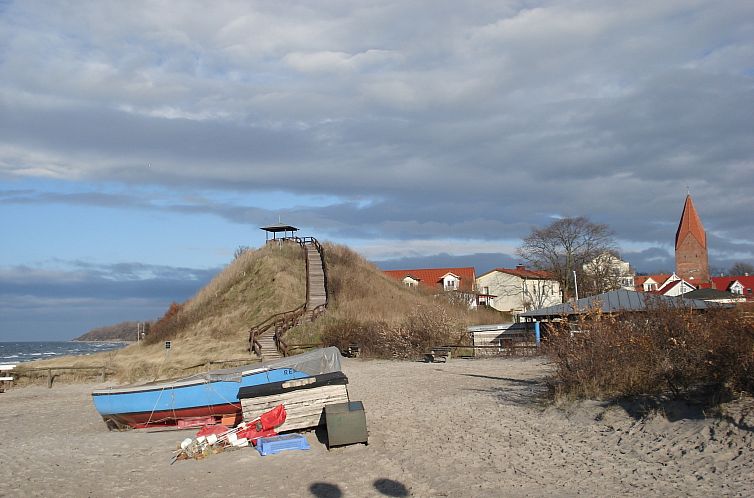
(212, 439)
(276, 444)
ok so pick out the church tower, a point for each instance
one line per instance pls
(691, 260)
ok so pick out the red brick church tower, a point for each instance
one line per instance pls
(691, 260)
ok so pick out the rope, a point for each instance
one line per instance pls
(149, 421)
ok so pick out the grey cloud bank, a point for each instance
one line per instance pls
(420, 121)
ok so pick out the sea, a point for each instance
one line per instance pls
(19, 352)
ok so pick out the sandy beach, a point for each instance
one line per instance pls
(464, 428)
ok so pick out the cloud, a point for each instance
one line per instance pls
(77, 279)
(416, 121)
(63, 299)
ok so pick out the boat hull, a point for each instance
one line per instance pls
(167, 403)
(211, 394)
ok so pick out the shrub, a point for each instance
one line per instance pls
(664, 350)
(167, 326)
(416, 333)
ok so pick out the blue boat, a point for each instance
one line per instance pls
(210, 394)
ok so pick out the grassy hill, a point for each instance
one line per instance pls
(365, 306)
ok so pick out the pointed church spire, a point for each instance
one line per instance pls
(691, 258)
(690, 224)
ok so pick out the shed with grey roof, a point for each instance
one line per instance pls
(617, 301)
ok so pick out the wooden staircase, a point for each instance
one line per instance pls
(315, 275)
(269, 350)
(266, 339)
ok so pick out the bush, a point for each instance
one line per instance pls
(418, 332)
(663, 351)
(166, 327)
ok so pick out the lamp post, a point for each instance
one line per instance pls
(575, 285)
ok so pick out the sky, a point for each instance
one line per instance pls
(141, 143)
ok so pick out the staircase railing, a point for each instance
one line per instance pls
(282, 322)
(275, 321)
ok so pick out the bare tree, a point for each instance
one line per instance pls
(534, 293)
(565, 246)
(604, 273)
(740, 268)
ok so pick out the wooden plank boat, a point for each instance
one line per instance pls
(210, 395)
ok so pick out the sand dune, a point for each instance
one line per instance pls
(465, 428)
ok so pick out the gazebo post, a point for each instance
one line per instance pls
(275, 229)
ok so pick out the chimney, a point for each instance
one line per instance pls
(520, 267)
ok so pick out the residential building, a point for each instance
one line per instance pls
(649, 283)
(740, 286)
(675, 288)
(519, 289)
(664, 284)
(607, 272)
(459, 280)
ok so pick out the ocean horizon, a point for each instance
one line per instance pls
(24, 351)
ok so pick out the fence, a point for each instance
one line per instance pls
(51, 373)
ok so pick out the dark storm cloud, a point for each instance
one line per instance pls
(87, 281)
(425, 120)
(61, 304)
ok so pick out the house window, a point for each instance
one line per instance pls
(450, 284)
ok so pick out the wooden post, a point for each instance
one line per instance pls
(102, 375)
(49, 378)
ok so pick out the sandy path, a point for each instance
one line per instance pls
(465, 428)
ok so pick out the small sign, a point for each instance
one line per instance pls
(167, 344)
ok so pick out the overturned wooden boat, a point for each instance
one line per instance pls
(209, 396)
(304, 399)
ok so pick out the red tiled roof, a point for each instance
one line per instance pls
(431, 277)
(722, 283)
(660, 278)
(690, 224)
(675, 283)
(523, 272)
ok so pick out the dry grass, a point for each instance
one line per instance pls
(383, 316)
(366, 307)
(214, 324)
(662, 352)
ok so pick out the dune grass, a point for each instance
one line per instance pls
(365, 307)
(382, 316)
(212, 325)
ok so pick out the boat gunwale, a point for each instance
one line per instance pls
(195, 380)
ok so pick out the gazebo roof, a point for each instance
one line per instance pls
(279, 227)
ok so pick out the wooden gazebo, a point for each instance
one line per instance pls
(277, 229)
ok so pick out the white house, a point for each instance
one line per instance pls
(519, 289)
(612, 271)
